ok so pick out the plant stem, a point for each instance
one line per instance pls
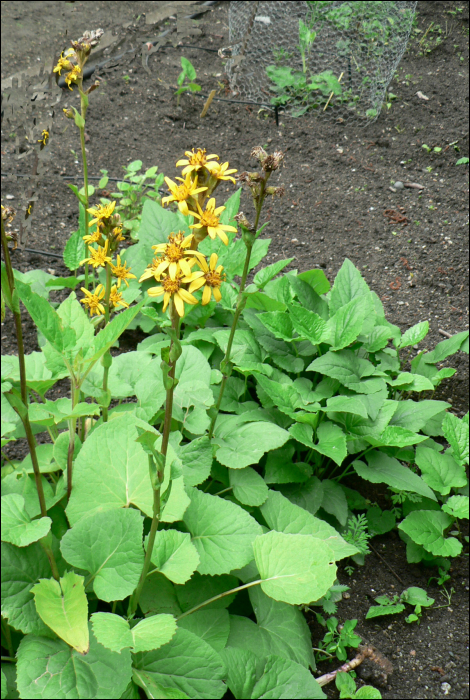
(217, 597)
(83, 108)
(134, 601)
(107, 358)
(75, 391)
(240, 301)
(24, 391)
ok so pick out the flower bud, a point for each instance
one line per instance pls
(275, 191)
(69, 113)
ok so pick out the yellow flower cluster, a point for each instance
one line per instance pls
(172, 267)
(201, 175)
(107, 235)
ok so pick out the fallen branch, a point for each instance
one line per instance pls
(365, 652)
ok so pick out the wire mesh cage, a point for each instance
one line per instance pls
(330, 58)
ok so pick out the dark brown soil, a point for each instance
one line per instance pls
(337, 179)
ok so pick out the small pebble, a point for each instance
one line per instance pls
(445, 687)
(398, 185)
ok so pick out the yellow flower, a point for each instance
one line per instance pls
(180, 193)
(93, 300)
(211, 278)
(64, 63)
(117, 234)
(102, 211)
(121, 272)
(220, 172)
(210, 219)
(44, 137)
(98, 258)
(171, 288)
(173, 256)
(196, 160)
(73, 76)
(93, 237)
(115, 297)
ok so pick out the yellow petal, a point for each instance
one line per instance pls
(188, 298)
(217, 294)
(173, 269)
(206, 295)
(197, 284)
(213, 261)
(166, 299)
(185, 268)
(183, 162)
(155, 291)
(179, 305)
(183, 207)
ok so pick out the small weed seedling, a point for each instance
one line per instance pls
(411, 596)
(347, 687)
(187, 74)
(338, 638)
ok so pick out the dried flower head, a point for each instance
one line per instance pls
(259, 153)
(273, 161)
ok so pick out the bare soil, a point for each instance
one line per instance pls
(337, 178)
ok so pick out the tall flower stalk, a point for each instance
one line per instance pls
(20, 402)
(258, 184)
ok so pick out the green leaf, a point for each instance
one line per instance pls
(282, 515)
(308, 495)
(175, 555)
(222, 532)
(158, 596)
(113, 632)
(379, 521)
(213, 626)
(377, 339)
(344, 366)
(153, 689)
(45, 318)
(278, 323)
(414, 335)
(280, 468)
(202, 588)
(17, 526)
(384, 469)
(115, 561)
(309, 325)
(334, 500)
(316, 279)
(242, 444)
(285, 678)
(103, 477)
(445, 348)
(267, 273)
(257, 300)
(379, 610)
(415, 414)
(307, 296)
(350, 285)
(248, 486)
(395, 436)
(63, 606)
(456, 433)
(457, 506)
(48, 668)
(243, 668)
(188, 664)
(296, 569)
(331, 440)
(346, 404)
(75, 250)
(426, 527)
(346, 324)
(417, 596)
(345, 685)
(21, 568)
(25, 485)
(113, 330)
(440, 471)
(196, 457)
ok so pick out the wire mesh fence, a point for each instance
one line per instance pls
(327, 58)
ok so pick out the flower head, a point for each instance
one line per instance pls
(64, 61)
(98, 258)
(94, 237)
(93, 300)
(101, 212)
(173, 256)
(122, 272)
(180, 193)
(210, 219)
(115, 298)
(44, 137)
(171, 288)
(210, 277)
(197, 160)
(220, 172)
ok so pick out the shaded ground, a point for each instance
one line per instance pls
(337, 180)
